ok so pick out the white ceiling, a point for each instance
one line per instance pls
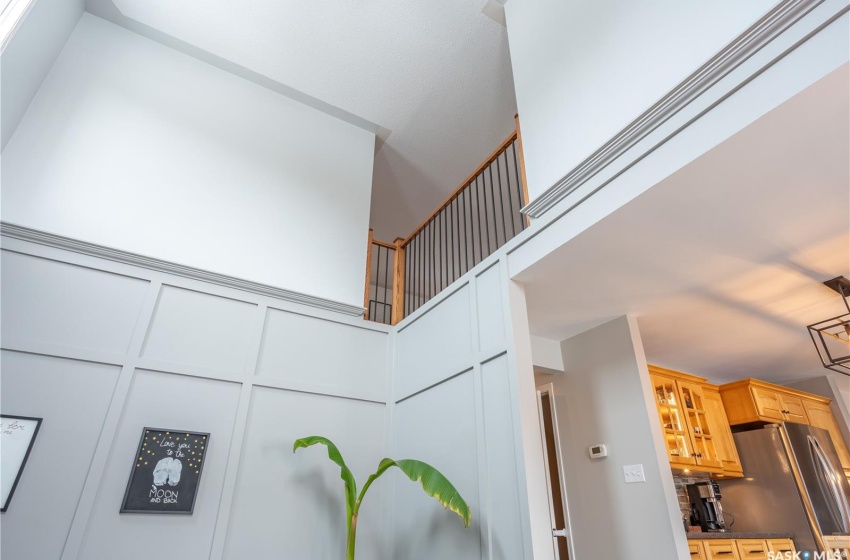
(434, 75)
(723, 261)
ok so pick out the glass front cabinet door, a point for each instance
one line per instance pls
(672, 414)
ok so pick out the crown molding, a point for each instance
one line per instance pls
(39, 237)
(782, 16)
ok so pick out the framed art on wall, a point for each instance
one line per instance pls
(166, 471)
(17, 436)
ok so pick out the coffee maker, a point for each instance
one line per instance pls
(706, 510)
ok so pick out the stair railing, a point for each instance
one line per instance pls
(480, 216)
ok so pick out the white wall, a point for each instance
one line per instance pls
(457, 409)
(133, 145)
(604, 397)
(29, 55)
(100, 349)
(584, 69)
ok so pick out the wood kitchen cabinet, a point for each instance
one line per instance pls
(721, 549)
(697, 550)
(740, 549)
(785, 547)
(693, 423)
(751, 401)
(726, 450)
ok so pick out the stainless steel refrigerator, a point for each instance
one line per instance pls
(793, 482)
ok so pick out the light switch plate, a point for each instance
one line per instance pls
(633, 473)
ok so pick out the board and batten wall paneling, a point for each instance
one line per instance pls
(491, 319)
(101, 349)
(455, 407)
(503, 478)
(194, 328)
(291, 505)
(72, 396)
(294, 348)
(179, 402)
(436, 345)
(54, 303)
(437, 426)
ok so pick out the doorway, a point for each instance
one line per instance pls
(554, 473)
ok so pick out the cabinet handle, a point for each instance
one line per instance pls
(722, 552)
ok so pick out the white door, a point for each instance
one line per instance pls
(558, 511)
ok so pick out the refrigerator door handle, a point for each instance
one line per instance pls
(833, 482)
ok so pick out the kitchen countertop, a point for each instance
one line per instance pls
(740, 535)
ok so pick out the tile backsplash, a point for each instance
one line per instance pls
(681, 481)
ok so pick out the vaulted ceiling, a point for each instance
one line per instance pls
(433, 77)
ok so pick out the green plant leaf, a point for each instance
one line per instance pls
(433, 483)
(335, 456)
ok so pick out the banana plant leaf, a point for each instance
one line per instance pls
(344, 472)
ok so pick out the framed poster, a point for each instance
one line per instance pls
(17, 435)
(166, 471)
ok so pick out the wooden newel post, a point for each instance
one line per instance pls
(398, 281)
(522, 168)
(368, 275)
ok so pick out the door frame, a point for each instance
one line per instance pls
(549, 389)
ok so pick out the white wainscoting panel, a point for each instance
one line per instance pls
(436, 345)
(162, 400)
(291, 505)
(295, 347)
(437, 426)
(500, 443)
(491, 319)
(199, 329)
(57, 303)
(72, 397)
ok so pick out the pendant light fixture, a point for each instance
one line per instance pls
(832, 336)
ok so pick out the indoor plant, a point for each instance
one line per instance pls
(433, 483)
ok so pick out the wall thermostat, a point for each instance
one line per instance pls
(598, 451)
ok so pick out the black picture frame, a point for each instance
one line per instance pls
(145, 476)
(38, 421)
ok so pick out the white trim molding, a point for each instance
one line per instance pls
(24, 233)
(782, 16)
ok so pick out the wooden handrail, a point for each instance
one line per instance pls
(382, 243)
(490, 159)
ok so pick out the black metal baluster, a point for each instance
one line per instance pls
(433, 261)
(501, 202)
(493, 201)
(510, 202)
(451, 245)
(482, 202)
(465, 228)
(478, 206)
(459, 261)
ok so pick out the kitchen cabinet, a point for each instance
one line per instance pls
(725, 549)
(752, 549)
(785, 547)
(719, 425)
(693, 423)
(752, 402)
(697, 550)
(741, 549)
